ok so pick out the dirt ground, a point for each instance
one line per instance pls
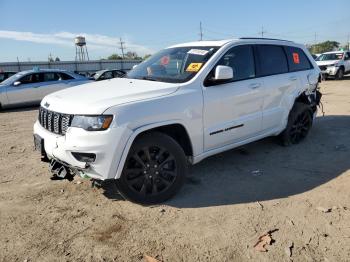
(301, 193)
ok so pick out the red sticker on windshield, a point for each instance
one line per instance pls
(164, 60)
(296, 58)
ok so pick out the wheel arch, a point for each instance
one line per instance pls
(175, 129)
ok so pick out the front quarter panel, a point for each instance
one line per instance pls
(3, 96)
(182, 107)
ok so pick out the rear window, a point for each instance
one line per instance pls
(297, 59)
(272, 60)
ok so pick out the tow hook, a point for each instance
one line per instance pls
(60, 171)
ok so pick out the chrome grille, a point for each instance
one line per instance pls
(54, 122)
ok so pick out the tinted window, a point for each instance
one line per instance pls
(51, 77)
(30, 79)
(107, 75)
(347, 56)
(297, 59)
(2, 77)
(118, 74)
(241, 60)
(272, 60)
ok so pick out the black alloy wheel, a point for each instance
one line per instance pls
(154, 170)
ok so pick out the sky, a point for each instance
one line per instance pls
(31, 30)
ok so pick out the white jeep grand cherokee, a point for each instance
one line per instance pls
(335, 64)
(183, 104)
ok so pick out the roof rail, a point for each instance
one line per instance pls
(262, 38)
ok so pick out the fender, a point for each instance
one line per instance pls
(135, 133)
(3, 97)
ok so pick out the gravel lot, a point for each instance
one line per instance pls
(301, 193)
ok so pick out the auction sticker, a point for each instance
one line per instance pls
(198, 52)
(296, 59)
(194, 67)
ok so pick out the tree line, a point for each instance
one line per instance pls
(129, 56)
(326, 46)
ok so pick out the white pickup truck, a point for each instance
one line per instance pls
(183, 104)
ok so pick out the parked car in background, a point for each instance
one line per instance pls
(181, 105)
(334, 64)
(6, 74)
(29, 87)
(108, 74)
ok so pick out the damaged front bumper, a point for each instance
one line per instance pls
(104, 147)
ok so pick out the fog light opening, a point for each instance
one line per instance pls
(84, 157)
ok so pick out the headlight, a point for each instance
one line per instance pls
(92, 123)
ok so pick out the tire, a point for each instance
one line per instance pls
(299, 124)
(340, 74)
(154, 171)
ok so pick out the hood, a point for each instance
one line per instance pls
(328, 62)
(96, 97)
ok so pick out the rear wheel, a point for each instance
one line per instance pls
(340, 74)
(299, 124)
(154, 171)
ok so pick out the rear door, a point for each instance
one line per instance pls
(278, 82)
(50, 83)
(233, 110)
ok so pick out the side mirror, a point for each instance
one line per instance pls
(133, 67)
(17, 83)
(223, 73)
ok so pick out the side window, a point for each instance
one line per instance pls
(2, 77)
(241, 60)
(30, 79)
(51, 77)
(297, 59)
(107, 75)
(64, 76)
(118, 74)
(272, 60)
(347, 56)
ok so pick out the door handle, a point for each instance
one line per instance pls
(254, 85)
(293, 78)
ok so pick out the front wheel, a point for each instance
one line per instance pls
(154, 171)
(340, 74)
(299, 124)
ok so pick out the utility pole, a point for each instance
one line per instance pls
(200, 31)
(315, 38)
(348, 41)
(122, 47)
(262, 32)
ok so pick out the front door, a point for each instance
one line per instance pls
(26, 91)
(233, 110)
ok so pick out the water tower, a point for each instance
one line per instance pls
(81, 52)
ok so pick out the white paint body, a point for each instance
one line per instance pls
(261, 104)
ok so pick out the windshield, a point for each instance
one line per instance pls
(173, 65)
(12, 79)
(329, 57)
